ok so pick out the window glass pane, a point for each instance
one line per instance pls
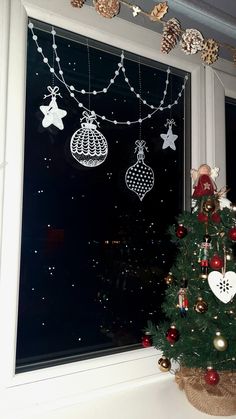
(230, 116)
(94, 252)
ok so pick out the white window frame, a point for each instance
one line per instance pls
(220, 82)
(60, 386)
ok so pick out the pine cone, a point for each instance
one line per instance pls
(107, 8)
(77, 3)
(171, 34)
(210, 51)
(192, 41)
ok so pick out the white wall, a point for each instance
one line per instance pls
(127, 385)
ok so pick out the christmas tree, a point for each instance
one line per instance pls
(198, 338)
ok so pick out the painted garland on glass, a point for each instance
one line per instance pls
(88, 145)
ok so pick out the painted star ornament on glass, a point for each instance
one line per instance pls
(139, 178)
(89, 146)
(169, 138)
(52, 114)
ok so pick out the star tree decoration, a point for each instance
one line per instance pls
(169, 138)
(52, 114)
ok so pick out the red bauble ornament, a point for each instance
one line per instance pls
(232, 234)
(146, 341)
(211, 377)
(216, 218)
(216, 262)
(181, 231)
(203, 218)
(172, 335)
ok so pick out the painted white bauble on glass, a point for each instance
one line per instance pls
(89, 146)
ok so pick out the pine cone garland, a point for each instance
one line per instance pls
(171, 34)
(107, 8)
(77, 3)
(159, 11)
(210, 51)
(234, 57)
(192, 41)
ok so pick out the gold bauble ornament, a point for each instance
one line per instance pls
(164, 364)
(169, 279)
(220, 343)
(209, 205)
(200, 306)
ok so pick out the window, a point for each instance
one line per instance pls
(38, 393)
(94, 252)
(230, 115)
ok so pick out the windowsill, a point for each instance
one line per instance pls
(63, 386)
(122, 360)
